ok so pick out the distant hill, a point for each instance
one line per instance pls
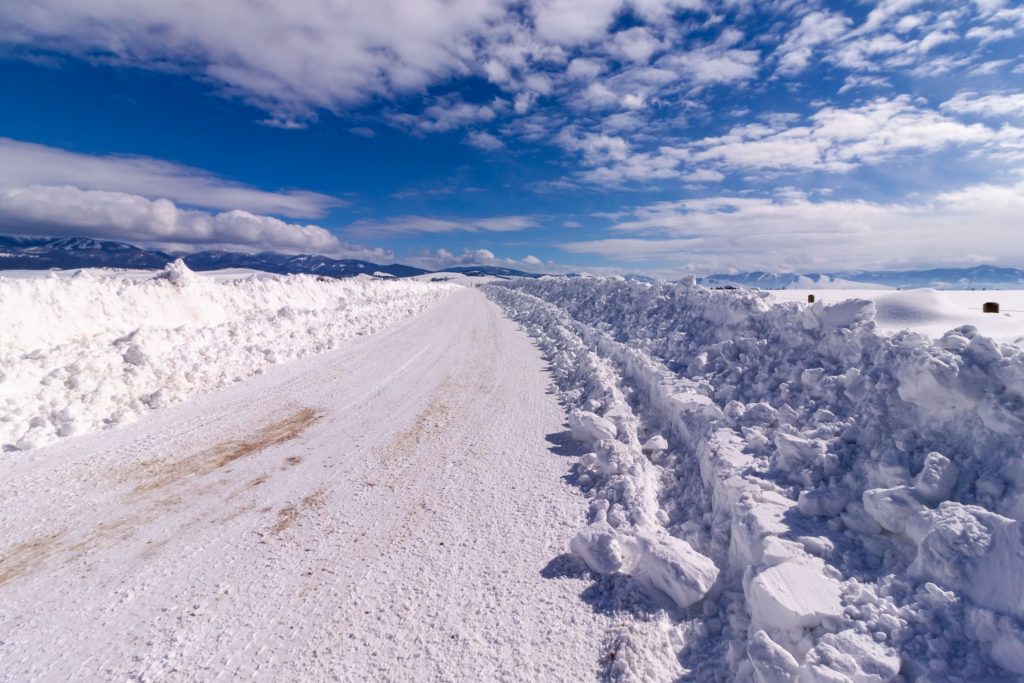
(761, 280)
(44, 253)
(976, 277)
(496, 271)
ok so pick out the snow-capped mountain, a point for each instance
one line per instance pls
(41, 253)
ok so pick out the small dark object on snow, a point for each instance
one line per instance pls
(990, 307)
(810, 298)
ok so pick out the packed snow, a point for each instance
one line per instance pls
(95, 348)
(821, 499)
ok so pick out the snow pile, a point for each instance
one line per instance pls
(860, 495)
(95, 349)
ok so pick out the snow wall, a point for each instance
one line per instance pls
(96, 349)
(820, 501)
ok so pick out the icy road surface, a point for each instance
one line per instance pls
(386, 511)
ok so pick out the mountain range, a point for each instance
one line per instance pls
(43, 253)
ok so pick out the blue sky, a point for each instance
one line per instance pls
(652, 136)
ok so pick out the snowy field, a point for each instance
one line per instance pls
(734, 487)
(930, 311)
(88, 349)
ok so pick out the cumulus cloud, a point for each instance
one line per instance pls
(67, 210)
(24, 163)
(794, 232)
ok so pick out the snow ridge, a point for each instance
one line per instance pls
(98, 348)
(859, 494)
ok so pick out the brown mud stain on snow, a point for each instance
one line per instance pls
(28, 557)
(433, 421)
(288, 515)
(163, 473)
(31, 556)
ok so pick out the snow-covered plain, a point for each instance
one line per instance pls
(930, 311)
(820, 500)
(95, 348)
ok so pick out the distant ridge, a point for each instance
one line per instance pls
(976, 277)
(45, 253)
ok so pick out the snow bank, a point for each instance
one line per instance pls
(95, 349)
(860, 494)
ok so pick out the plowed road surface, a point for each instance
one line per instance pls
(381, 512)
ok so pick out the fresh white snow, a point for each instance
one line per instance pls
(389, 510)
(930, 311)
(373, 479)
(97, 348)
(859, 492)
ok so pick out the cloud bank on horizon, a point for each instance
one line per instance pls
(659, 136)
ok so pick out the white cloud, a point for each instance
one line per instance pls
(23, 163)
(447, 113)
(574, 22)
(635, 45)
(836, 139)
(793, 232)
(67, 210)
(815, 28)
(712, 65)
(484, 141)
(287, 57)
(532, 260)
(996, 105)
(412, 225)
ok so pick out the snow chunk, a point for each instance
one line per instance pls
(598, 546)
(177, 273)
(849, 656)
(588, 427)
(772, 663)
(936, 480)
(970, 549)
(655, 444)
(891, 507)
(676, 569)
(794, 594)
(664, 562)
(848, 312)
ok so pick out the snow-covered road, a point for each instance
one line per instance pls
(392, 510)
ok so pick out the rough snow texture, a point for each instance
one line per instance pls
(860, 494)
(96, 349)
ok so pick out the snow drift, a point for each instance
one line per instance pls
(822, 501)
(95, 349)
